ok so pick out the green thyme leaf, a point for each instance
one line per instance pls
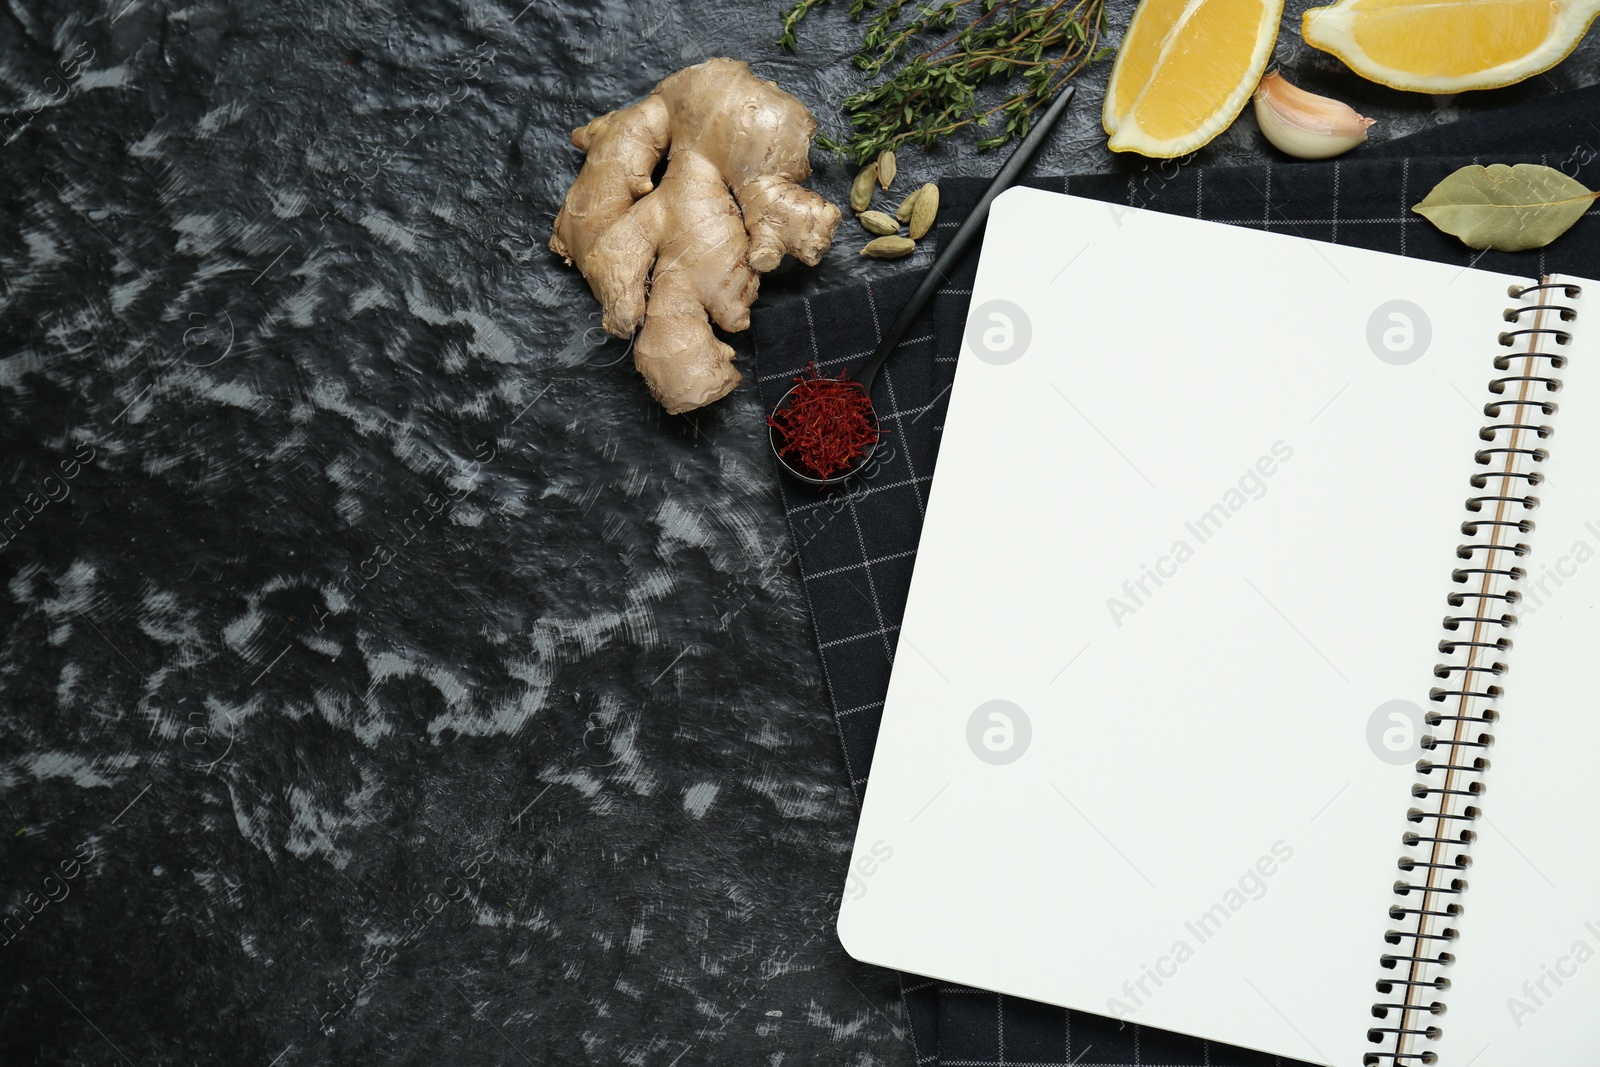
(956, 64)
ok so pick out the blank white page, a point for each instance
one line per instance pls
(1527, 981)
(1200, 832)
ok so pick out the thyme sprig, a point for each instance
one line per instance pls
(931, 94)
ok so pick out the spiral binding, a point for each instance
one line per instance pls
(1438, 853)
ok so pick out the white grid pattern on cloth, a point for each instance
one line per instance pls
(840, 362)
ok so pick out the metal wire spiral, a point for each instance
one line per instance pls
(1439, 836)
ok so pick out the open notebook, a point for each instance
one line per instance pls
(1246, 557)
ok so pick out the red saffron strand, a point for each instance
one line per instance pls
(827, 425)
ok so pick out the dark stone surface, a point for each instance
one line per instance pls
(385, 679)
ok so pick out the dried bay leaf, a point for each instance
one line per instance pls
(1506, 208)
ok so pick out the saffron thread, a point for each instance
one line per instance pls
(827, 424)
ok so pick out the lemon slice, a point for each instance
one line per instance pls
(1446, 46)
(1185, 70)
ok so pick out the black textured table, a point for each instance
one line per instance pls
(384, 678)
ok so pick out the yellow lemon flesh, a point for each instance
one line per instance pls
(1447, 46)
(1185, 70)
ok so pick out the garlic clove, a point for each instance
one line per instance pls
(1304, 124)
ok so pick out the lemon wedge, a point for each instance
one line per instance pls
(1447, 46)
(1185, 70)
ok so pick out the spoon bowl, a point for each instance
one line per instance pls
(792, 466)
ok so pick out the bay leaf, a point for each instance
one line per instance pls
(1506, 208)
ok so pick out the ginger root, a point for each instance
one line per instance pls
(729, 205)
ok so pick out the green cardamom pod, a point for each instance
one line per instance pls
(924, 210)
(879, 222)
(888, 247)
(861, 189)
(903, 212)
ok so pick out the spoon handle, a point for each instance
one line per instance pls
(965, 234)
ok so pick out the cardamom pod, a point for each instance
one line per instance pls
(888, 247)
(879, 222)
(924, 210)
(861, 188)
(903, 212)
(886, 169)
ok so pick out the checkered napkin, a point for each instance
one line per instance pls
(857, 543)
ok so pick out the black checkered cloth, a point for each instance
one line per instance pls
(857, 543)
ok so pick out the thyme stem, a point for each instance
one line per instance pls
(930, 94)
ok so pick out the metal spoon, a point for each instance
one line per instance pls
(965, 234)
